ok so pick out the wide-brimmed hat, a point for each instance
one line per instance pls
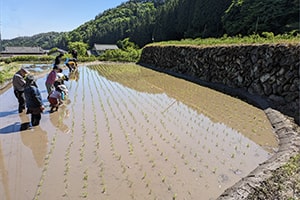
(62, 87)
(25, 70)
(30, 79)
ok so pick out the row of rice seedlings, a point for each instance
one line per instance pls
(96, 132)
(124, 120)
(151, 158)
(84, 192)
(115, 154)
(83, 128)
(146, 181)
(46, 165)
(101, 171)
(68, 151)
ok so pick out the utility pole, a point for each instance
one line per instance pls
(0, 27)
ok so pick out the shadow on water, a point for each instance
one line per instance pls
(7, 113)
(14, 128)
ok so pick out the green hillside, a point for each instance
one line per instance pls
(147, 21)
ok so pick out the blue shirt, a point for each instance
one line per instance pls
(33, 97)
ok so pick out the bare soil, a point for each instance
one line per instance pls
(132, 133)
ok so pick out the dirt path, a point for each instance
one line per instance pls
(130, 132)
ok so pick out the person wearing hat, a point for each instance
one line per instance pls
(19, 82)
(58, 59)
(51, 78)
(34, 101)
(55, 98)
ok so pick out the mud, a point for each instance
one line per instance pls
(127, 131)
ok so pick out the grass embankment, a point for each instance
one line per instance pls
(265, 38)
(7, 71)
(284, 184)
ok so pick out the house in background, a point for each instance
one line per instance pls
(98, 49)
(55, 52)
(22, 51)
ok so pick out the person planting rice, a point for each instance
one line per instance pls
(34, 101)
(55, 98)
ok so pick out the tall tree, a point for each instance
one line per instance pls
(255, 16)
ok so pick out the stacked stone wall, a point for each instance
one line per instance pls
(269, 70)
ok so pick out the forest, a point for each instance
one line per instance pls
(147, 21)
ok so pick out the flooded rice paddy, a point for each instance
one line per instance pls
(127, 132)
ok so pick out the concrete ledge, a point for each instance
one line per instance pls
(289, 146)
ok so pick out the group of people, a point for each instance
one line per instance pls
(29, 96)
(57, 91)
(71, 63)
(26, 91)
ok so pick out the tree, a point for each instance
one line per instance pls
(80, 47)
(246, 17)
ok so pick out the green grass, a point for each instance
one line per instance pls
(7, 71)
(264, 38)
(284, 183)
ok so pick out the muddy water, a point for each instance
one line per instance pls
(129, 132)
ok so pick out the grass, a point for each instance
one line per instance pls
(284, 184)
(7, 71)
(265, 38)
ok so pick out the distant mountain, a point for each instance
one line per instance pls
(145, 21)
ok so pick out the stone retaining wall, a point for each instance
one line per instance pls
(270, 70)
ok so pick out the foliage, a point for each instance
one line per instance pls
(265, 37)
(44, 40)
(27, 58)
(147, 21)
(126, 45)
(7, 72)
(120, 55)
(80, 47)
(53, 51)
(255, 16)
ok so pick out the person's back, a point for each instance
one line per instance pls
(31, 92)
(34, 101)
(18, 81)
(74, 54)
(58, 59)
(55, 99)
(51, 78)
(18, 86)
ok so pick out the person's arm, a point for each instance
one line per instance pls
(52, 77)
(19, 82)
(38, 98)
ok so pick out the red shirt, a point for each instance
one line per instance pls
(51, 77)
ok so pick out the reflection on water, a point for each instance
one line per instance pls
(36, 139)
(57, 119)
(220, 108)
(37, 68)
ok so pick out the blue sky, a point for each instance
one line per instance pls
(30, 17)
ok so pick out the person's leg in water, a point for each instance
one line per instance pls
(70, 68)
(35, 119)
(21, 100)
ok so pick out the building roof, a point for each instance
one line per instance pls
(103, 47)
(23, 50)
